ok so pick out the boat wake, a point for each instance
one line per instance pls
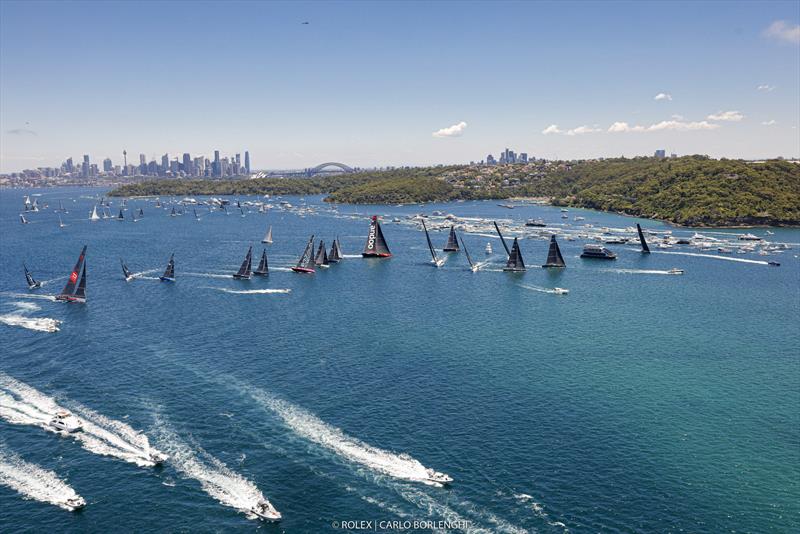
(23, 405)
(33, 296)
(251, 291)
(543, 289)
(26, 306)
(38, 324)
(35, 482)
(308, 426)
(637, 271)
(713, 257)
(209, 275)
(216, 479)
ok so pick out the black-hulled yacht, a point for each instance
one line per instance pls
(32, 283)
(305, 265)
(263, 265)
(452, 241)
(554, 258)
(245, 270)
(645, 248)
(169, 272)
(376, 246)
(74, 291)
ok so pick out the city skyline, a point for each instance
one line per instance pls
(377, 84)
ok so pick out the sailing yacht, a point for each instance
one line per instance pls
(472, 265)
(71, 293)
(376, 246)
(263, 266)
(32, 283)
(452, 241)
(336, 252)
(125, 271)
(120, 217)
(645, 248)
(268, 238)
(435, 260)
(305, 264)
(94, 216)
(22, 219)
(245, 270)
(515, 262)
(60, 222)
(554, 258)
(321, 259)
(169, 273)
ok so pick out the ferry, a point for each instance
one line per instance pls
(592, 250)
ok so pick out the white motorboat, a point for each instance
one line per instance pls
(560, 291)
(439, 478)
(65, 422)
(157, 457)
(675, 270)
(74, 503)
(749, 237)
(265, 510)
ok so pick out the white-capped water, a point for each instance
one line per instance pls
(34, 482)
(251, 291)
(39, 324)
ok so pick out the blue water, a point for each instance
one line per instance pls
(637, 402)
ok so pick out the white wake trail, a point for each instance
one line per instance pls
(34, 482)
(307, 425)
(39, 324)
(251, 291)
(740, 260)
(637, 271)
(216, 479)
(26, 306)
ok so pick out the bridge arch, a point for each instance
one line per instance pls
(320, 167)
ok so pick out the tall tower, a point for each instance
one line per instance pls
(247, 162)
(125, 157)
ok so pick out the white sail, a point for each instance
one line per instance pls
(94, 216)
(268, 238)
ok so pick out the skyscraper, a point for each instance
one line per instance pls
(107, 165)
(217, 169)
(246, 162)
(85, 168)
(187, 163)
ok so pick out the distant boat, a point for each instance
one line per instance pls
(169, 273)
(306, 262)
(473, 267)
(535, 222)
(120, 217)
(71, 293)
(675, 270)
(268, 238)
(241, 210)
(452, 241)
(158, 203)
(22, 219)
(592, 250)
(125, 271)
(336, 252)
(321, 259)
(263, 265)
(376, 246)
(436, 261)
(141, 212)
(32, 283)
(245, 270)
(105, 214)
(554, 258)
(488, 250)
(749, 237)
(61, 207)
(196, 216)
(173, 213)
(515, 263)
(645, 248)
(60, 222)
(94, 216)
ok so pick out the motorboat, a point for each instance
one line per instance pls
(64, 421)
(488, 248)
(592, 250)
(560, 291)
(157, 457)
(265, 510)
(675, 270)
(439, 478)
(749, 237)
(75, 503)
(774, 263)
(724, 250)
(535, 222)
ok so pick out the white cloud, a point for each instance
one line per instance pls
(727, 116)
(580, 130)
(770, 122)
(455, 130)
(552, 129)
(663, 96)
(782, 31)
(678, 117)
(765, 87)
(624, 127)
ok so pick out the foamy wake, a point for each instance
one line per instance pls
(26, 306)
(216, 479)
(308, 426)
(539, 289)
(34, 296)
(251, 291)
(351, 255)
(713, 257)
(34, 482)
(538, 509)
(39, 324)
(23, 405)
(637, 271)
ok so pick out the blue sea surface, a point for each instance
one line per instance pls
(638, 402)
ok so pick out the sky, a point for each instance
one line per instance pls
(407, 83)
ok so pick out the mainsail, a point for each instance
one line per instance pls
(321, 258)
(515, 262)
(169, 273)
(245, 270)
(434, 259)
(452, 241)
(376, 246)
(268, 238)
(263, 266)
(501, 239)
(336, 253)
(554, 258)
(645, 248)
(80, 293)
(67, 293)
(94, 216)
(120, 217)
(32, 283)
(306, 262)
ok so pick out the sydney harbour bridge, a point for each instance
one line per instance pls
(329, 167)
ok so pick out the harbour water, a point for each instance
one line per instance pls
(638, 402)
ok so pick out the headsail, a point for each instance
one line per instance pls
(169, 273)
(263, 266)
(452, 241)
(515, 262)
(376, 246)
(336, 254)
(306, 262)
(469, 258)
(321, 258)
(69, 289)
(554, 258)
(32, 283)
(501, 238)
(645, 248)
(246, 267)
(94, 216)
(80, 293)
(268, 238)
(434, 259)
